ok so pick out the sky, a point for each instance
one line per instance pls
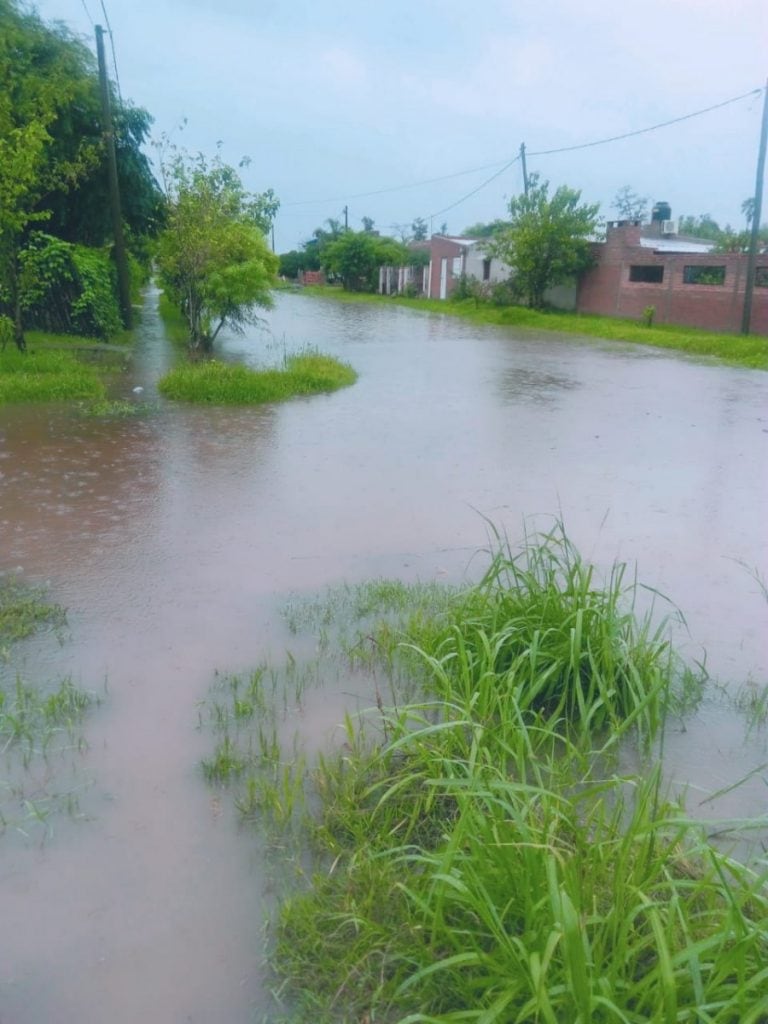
(331, 99)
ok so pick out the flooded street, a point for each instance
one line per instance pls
(173, 539)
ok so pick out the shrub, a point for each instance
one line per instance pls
(69, 289)
(307, 373)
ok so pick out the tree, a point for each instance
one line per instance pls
(419, 229)
(703, 226)
(213, 257)
(41, 76)
(629, 205)
(483, 230)
(356, 257)
(548, 239)
(368, 225)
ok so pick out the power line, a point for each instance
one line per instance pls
(508, 164)
(87, 12)
(476, 190)
(602, 142)
(112, 47)
(393, 188)
(643, 131)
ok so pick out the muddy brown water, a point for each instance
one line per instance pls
(174, 539)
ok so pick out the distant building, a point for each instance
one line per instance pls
(682, 278)
(450, 259)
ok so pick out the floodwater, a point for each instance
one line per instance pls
(173, 540)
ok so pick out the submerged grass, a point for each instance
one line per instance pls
(24, 609)
(737, 350)
(46, 376)
(40, 722)
(307, 373)
(478, 856)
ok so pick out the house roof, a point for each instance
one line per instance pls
(676, 245)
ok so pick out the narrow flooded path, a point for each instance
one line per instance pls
(173, 539)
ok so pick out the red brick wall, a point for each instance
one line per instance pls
(442, 248)
(607, 290)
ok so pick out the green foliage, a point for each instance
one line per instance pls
(485, 230)
(53, 162)
(68, 288)
(24, 610)
(356, 256)
(213, 259)
(547, 240)
(291, 263)
(46, 377)
(648, 314)
(307, 373)
(469, 287)
(479, 852)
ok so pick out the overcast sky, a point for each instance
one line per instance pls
(332, 98)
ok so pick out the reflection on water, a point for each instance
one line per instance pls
(172, 539)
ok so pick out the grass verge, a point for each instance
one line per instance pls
(46, 376)
(478, 856)
(308, 373)
(736, 350)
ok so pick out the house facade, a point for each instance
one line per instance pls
(686, 283)
(450, 258)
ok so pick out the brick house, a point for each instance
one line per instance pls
(449, 259)
(640, 266)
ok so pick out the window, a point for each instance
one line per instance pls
(703, 275)
(487, 270)
(646, 274)
(457, 267)
(761, 277)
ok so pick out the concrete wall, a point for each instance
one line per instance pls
(607, 289)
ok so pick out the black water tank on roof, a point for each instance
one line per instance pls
(661, 211)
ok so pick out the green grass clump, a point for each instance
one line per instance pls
(24, 610)
(46, 376)
(735, 349)
(308, 373)
(478, 856)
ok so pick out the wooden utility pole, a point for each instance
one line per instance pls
(121, 260)
(756, 215)
(346, 218)
(525, 169)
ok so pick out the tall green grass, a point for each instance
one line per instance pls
(308, 373)
(478, 855)
(46, 376)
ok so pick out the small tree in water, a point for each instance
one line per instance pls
(213, 257)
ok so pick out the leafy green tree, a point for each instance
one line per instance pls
(213, 257)
(483, 230)
(52, 157)
(356, 256)
(629, 205)
(291, 263)
(419, 229)
(40, 74)
(548, 238)
(703, 226)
